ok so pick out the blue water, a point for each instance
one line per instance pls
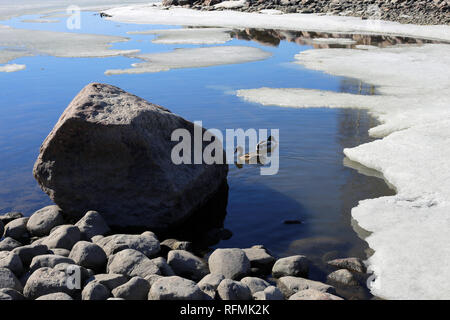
(312, 185)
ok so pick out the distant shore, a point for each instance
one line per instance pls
(427, 12)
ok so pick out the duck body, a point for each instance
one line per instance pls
(249, 158)
(268, 146)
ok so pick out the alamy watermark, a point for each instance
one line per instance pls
(262, 146)
(74, 20)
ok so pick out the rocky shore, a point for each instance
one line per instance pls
(405, 11)
(43, 257)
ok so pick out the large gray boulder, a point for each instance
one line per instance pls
(351, 264)
(11, 261)
(135, 289)
(9, 280)
(210, 283)
(186, 265)
(9, 244)
(48, 260)
(111, 152)
(176, 288)
(291, 266)
(92, 224)
(55, 296)
(64, 236)
(255, 284)
(45, 281)
(110, 280)
(27, 253)
(88, 255)
(269, 293)
(147, 243)
(17, 229)
(233, 290)
(290, 285)
(131, 263)
(312, 294)
(95, 291)
(44, 220)
(231, 263)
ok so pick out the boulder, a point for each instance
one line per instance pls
(11, 261)
(89, 255)
(48, 260)
(64, 236)
(131, 263)
(110, 280)
(210, 283)
(60, 252)
(186, 265)
(147, 243)
(260, 258)
(255, 284)
(42, 221)
(95, 291)
(9, 244)
(351, 264)
(10, 294)
(17, 229)
(45, 281)
(312, 294)
(231, 263)
(27, 253)
(174, 244)
(342, 277)
(269, 293)
(72, 269)
(296, 266)
(10, 216)
(55, 296)
(233, 290)
(92, 224)
(111, 151)
(290, 285)
(176, 288)
(9, 280)
(135, 289)
(152, 278)
(165, 269)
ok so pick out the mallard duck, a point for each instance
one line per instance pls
(268, 146)
(249, 158)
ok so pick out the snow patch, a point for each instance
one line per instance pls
(193, 58)
(189, 35)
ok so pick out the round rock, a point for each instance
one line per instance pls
(95, 291)
(269, 293)
(9, 280)
(11, 261)
(131, 263)
(233, 290)
(187, 265)
(146, 243)
(231, 263)
(55, 296)
(255, 284)
(9, 244)
(176, 288)
(210, 283)
(91, 225)
(64, 236)
(44, 220)
(45, 281)
(135, 289)
(342, 277)
(296, 266)
(311, 294)
(88, 255)
(17, 229)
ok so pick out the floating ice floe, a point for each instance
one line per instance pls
(40, 21)
(146, 14)
(12, 67)
(189, 35)
(193, 58)
(409, 231)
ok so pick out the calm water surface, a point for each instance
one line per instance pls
(312, 185)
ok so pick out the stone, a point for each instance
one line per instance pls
(169, 3)
(89, 255)
(165, 269)
(42, 221)
(10, 216)
(311, 294)
(186, 265)
(174, 244)
(209, 284)
(342, 277)
(10, 294)
(269, 293)
(64, 237)
(140, 187)
(95, 291)
(351, 264)
(74, 269)
(291, 266)
(45, 281)
(233, 290)
(115, 299)
(146, 243)
(55, 296)
(255, 284)
(176, 288)
(131, 263)
(9, 280)
(11, 261)
(135, 289)
(92, 224)
(27, 253)
(60, 252)
(48, 260)
(290, 285)
(231, 263)
(17, 229)
(9, 244)
(260, 258)
(110, 280)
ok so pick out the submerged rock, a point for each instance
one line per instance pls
(291, 266)
(342, 277)
(111, 151)
(351, 264)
